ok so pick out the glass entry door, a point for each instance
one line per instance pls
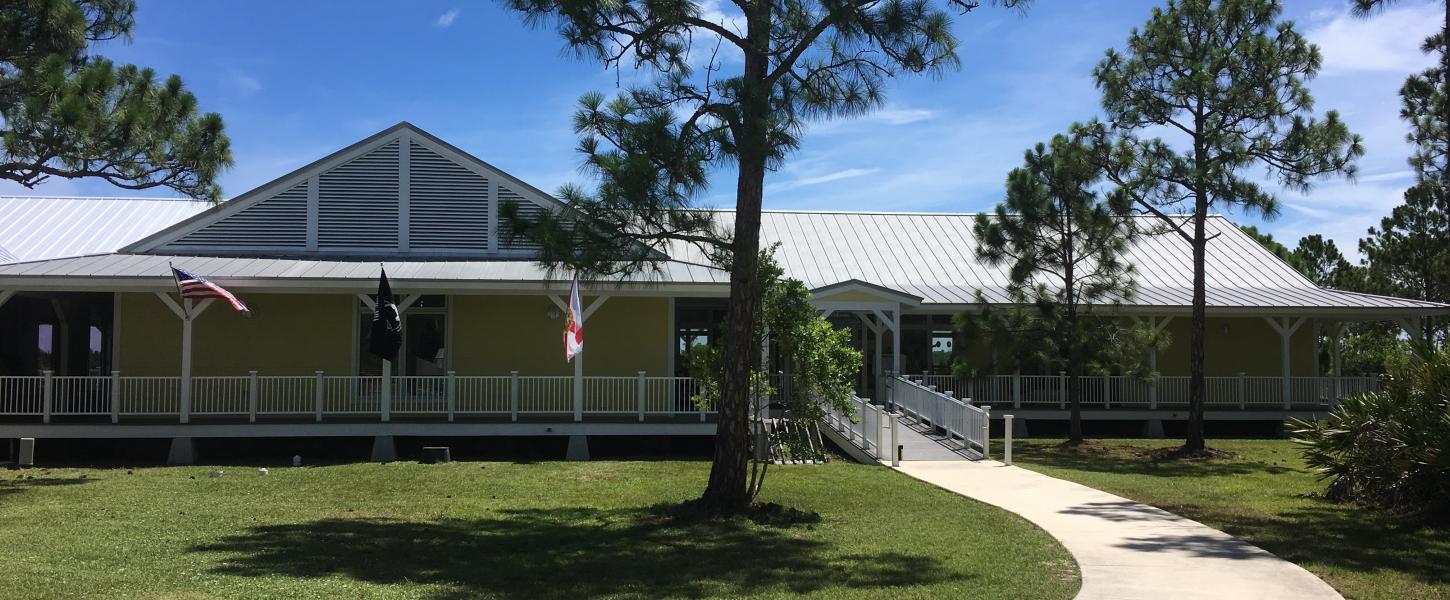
(424, 344)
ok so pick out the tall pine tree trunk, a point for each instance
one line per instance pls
(1197, 328)
(727, 492)
(1069, 341)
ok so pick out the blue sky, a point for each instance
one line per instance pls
(296, 80)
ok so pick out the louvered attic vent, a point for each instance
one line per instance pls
(357, 202)
(447, 204)
(277, 222)
(527, 211)
(394, 195)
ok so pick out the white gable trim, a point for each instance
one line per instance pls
(887, 295)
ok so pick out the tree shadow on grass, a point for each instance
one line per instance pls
(18, 486)
(1344, 537)
(1078, 459)
(572, 552)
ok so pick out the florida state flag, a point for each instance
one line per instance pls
(574, 329)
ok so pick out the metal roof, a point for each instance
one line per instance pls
(933, 255)
(38, 227)
(927, 255)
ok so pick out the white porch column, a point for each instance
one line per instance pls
(1286, 331)
(5, 296)
(878, 326)
(579, 358)
(187, 311)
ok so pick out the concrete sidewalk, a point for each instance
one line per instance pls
(1128, 550)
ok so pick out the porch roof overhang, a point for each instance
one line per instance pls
(149, 272)
(1241, 301)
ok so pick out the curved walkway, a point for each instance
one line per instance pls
(1128, 550)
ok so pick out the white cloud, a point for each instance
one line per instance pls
(1387, 41)
(247, 84)
(446, 19)
(1404, 175)
(893, 115)
(819, 179)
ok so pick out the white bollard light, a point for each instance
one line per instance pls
(297, 460)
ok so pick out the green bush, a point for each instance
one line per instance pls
(1389, 448)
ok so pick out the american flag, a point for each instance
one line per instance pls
(198, 288)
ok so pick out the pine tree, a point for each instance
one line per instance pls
(1063, 244)
(1267, 240)
(1408, 255)
(1226, 78)
(65, 113)
(1320, 260)
(652, 147)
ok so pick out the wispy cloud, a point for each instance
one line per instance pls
(895, 115)
(242, 82)
(1389, 41)
(801, 182)
(446, 19)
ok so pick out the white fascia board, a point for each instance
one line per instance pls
(302, 286)
(1342, 312)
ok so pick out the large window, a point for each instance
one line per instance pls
(425, 339)
(698, 322)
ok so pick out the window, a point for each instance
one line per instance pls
(425, 339)
(697, 323)
(941, 349)
(45, 346)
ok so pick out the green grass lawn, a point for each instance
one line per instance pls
(504, 530)
(1265, 496)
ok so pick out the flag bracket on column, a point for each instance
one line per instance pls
(195, 287)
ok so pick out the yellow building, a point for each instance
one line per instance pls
(95, 338)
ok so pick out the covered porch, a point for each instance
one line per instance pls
(468, 355)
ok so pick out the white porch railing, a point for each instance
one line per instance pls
(867, 427)
(319, 396)
(1242, 392)
(957, 417)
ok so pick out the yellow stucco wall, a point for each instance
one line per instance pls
(1248, 345)
(852, 296)
(296, 334)
(288, 334)
(1238, 345)
(497, 334)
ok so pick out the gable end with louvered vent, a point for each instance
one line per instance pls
(399, 194)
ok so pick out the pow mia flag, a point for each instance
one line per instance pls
(387, 332)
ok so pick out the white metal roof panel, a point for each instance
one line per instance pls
(37, 227)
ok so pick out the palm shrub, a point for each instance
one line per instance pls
(1389, 448)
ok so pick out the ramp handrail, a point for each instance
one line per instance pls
(957, 417)
(866, 428)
